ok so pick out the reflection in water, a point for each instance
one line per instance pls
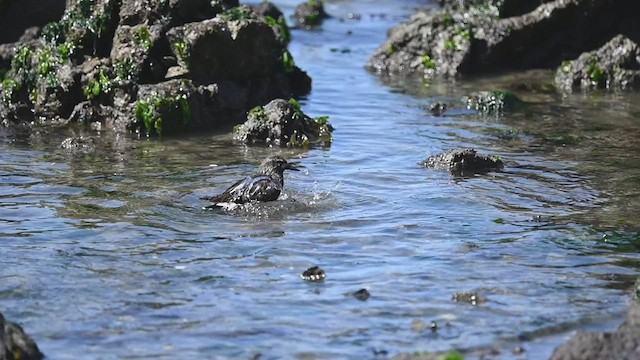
(108, 253)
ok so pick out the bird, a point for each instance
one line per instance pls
(265, 185)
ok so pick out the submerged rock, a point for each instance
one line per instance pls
(472, 298)
(310, 14)
(313, 274)
(615, 65)
(15, 344)
(362, 294)
(493, 102)
(282, 123)
(463, 162)
(438, 108)
(476, 38)
(623, 343)
(79, 143)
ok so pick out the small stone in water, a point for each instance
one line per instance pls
(314, 274)
(362, 294)
(470, 297)
(438, 108)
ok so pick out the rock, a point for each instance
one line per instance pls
(134, 65)
(437, 108)
(88, 25)
(15, 344)
(362, 294)
(469, 41)
(493, 102)
(623, 343)
(502, 8)
(462, 162)
(78, 143)
(472, 298)
(310, 14)
(270, 14)
(138, 53)
(171, 12)
(216, 49)
(15, 22)
(313, 274)
(424, 355)
(615, 65)
(282, 123)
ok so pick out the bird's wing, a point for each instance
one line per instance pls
(233, 193)
(263, 188)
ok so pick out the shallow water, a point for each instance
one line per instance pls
(108, 254)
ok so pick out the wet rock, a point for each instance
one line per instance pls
(172, 12)
(462, 162)
(424, 355)
(105, 64)
(623, 343)
(165, 107)
(451, 42)
(437, 108)
(215, 50)
(472, 298)
(15, 22)
(78, 143)
(88, 25)
(310, 14)
(362, 294)
(615, 65)
(274, 18)
(282, 123)
(493, 102)
(313, 274)
(138, 53)
(15, 344)
(502, 8)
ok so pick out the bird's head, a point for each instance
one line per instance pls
(277, 165)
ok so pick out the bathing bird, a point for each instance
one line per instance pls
(265, 185)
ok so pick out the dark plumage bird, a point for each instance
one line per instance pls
(266, 185)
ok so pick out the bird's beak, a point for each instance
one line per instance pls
(293, 166)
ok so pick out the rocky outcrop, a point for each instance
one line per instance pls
(309, 14)
(623, 343)
(282, 123)
(150, 67)
(463, 162)
(501, 8)
(615, 65)
(475, 39)
(15, 344)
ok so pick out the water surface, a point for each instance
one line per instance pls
(109, 255)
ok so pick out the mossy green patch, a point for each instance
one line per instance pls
(597, 76)
(125, 70)
(392, 49)
(287, 62)
(241, 12)
(281, 27)
(148, 111)
(182, 49)
(257, 113)
(102, 85)
(428, 62)
(452, 355)
(9, 87)
(143, 38)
